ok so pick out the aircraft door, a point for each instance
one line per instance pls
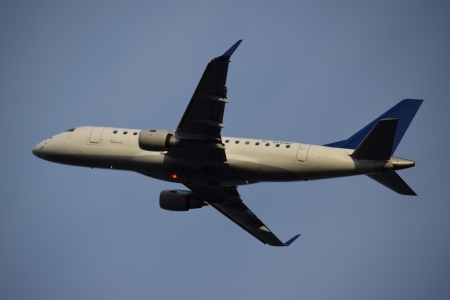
(302, 154)
(96, 135)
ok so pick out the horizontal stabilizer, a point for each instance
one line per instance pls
(377, 145)
(394, 182)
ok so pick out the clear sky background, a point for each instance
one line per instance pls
(307, 71)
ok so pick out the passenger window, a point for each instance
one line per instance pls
(247, 143)
(288, 146)
(125, 132)
(237, 142)
(267, 144)
(257, 143)
(227, 141)
(277, 145)
(115, 131)
(135, 133)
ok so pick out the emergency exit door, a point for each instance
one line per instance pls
(302, 153)
(96, 135)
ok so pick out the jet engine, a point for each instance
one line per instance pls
(157, 140)
(177, 200)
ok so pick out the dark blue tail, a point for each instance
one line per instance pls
(404, 111)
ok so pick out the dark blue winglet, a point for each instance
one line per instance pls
(292, 240)
(227, 55)
(404, 111)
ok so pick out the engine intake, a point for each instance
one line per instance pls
(157, 140)
(178, 200)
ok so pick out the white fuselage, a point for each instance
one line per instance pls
(248, 160)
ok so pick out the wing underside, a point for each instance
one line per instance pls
(200, 133)
(228, 202)
(202, 122)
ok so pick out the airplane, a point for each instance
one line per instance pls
(212, 166)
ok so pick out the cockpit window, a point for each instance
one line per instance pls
(72, 129)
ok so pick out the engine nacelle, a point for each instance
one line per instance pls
(157, 140)
(177, 200)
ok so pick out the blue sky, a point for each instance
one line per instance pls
(307, 71)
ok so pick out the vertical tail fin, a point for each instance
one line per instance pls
(404, 111)
(379, 140)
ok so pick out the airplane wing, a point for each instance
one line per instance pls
(203, 119)
(227, 200)
(199, 129)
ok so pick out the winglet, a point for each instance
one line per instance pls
(227, 55)
(291, 240)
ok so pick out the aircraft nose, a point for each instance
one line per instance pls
(37, 151)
